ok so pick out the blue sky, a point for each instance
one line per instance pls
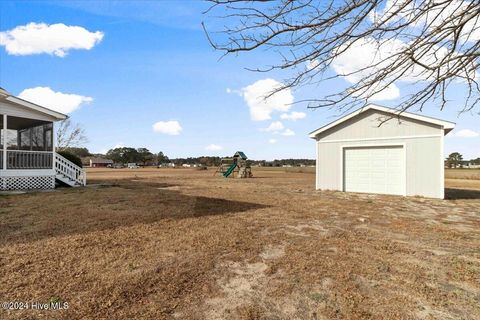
(136, 64)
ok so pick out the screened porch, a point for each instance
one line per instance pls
(25, 144)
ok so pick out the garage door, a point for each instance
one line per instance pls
(374, 170)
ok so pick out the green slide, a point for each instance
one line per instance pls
(230, 170)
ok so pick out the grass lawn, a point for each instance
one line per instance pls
(182, 244)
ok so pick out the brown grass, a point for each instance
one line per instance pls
(180, 243)
(472, 174)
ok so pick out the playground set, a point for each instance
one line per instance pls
(238, 164)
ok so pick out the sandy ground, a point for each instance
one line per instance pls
(182, 244)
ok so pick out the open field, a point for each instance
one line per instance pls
(182, 244)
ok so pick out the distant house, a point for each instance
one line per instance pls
(100, 163)
(473, 166)
(167, 165)
(186, 165)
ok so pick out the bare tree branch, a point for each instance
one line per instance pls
(70, 134)
(430, 46)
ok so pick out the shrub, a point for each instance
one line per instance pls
(71, 157)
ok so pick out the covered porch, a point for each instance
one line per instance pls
(27, 159)
(27, 148)
(26, 144)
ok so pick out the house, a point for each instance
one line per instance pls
(27, 147)
(100, 163)
(167, 165)
(471, 165)
(379, 150)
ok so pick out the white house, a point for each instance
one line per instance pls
(27, 147)
(381, 150)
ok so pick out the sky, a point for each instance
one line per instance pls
(142, 74)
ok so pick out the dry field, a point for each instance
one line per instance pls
(182, 244)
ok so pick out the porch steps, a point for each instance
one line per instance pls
(66, 180)
(69, 173)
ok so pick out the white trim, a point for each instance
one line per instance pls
(29, 173)
(446, 125)
(4, 142)
(31, 151)
(317, 170)
(36, 107)
(404, 160)
(442, 169)
(54, 146)
(383, 138)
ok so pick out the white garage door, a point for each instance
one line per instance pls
(374, 170)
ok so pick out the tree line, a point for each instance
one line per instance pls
(144, 156)
(455, 160)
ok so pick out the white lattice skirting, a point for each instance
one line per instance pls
(27, 183)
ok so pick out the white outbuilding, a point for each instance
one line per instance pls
(381, 150)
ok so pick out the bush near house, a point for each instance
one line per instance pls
(71, 157)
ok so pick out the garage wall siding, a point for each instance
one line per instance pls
(423, 152)
(366, 126)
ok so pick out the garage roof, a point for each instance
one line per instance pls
(447, 125)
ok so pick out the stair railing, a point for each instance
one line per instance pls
(70, 170)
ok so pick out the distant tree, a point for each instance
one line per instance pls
(144, 155)
(123, 155)
(70, 135)
(162, 158)
(79, 152)
(454, 159)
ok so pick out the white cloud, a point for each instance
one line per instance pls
(238, 92)
(293, 116)
(272, 141)
(448, 13)
(56, 39)
(58, 101)
(367, 56)
(172, 127)
(358, 60)
(466, 133)
(390, 92)
(312, 64)
(288, 132)
(274, 127)
(213, 147)
(261, 106)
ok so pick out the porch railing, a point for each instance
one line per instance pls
(21, 159)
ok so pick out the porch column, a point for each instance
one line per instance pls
(54, 146)
(4, 142)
